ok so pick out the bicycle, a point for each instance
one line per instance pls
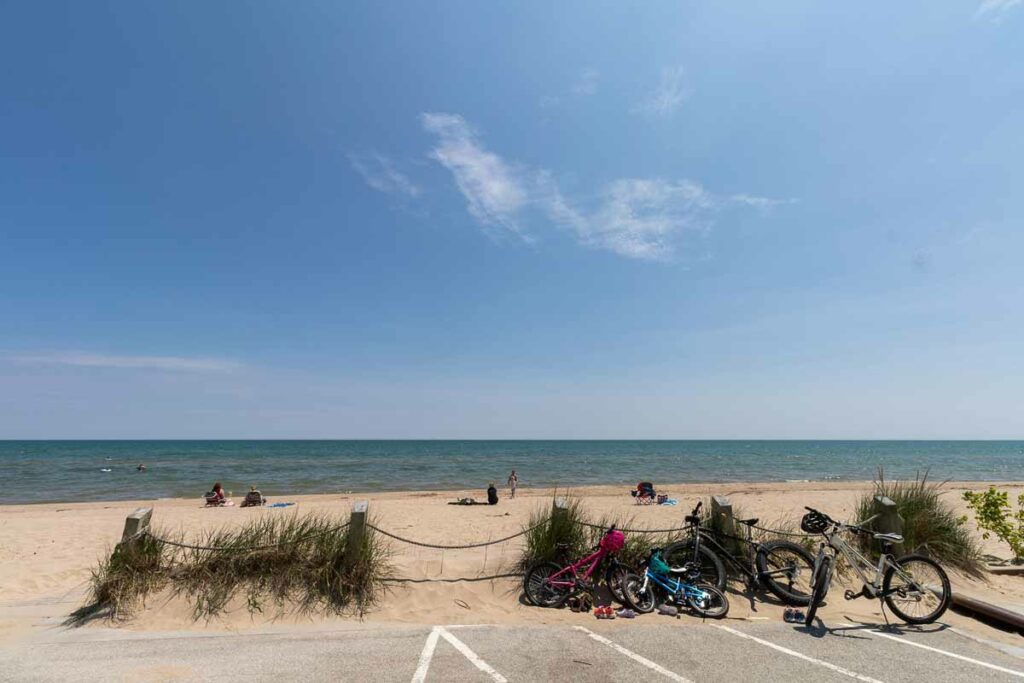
(547, 584)
(783, 567)
(919, 581)
(657, 585)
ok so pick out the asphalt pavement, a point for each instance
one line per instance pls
(651, 649)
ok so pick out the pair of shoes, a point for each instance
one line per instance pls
(604, 612)
(668, 610)
(625, 613)
(793, 616)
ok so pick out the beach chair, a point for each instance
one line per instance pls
(212, 500)
(644, 493)
(254, 499)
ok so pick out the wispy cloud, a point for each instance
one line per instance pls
(493, 188)
(380, 173)
(586, 84)
(995, 9)
(96, 360)
(641, 218)
(666, 98)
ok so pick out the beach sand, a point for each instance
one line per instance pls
(47, 550)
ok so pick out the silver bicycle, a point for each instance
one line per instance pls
(914, 587)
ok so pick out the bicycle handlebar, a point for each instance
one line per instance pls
(856, 528)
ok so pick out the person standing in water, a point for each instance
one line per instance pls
(513, 482)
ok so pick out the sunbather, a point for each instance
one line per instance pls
(216, 497)
(254, 498)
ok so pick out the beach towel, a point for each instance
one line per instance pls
(279, 505)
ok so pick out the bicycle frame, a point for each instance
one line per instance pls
(672, 586)
(594, 559)
(872, 586)
(703, 535)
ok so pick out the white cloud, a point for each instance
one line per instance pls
(995, 9)
(586, 84)
(380, 173)
(494, 189)
(668, 96)
(95, 360)
(763, 203)
(642, 218)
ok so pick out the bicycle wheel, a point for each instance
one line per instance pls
(786, 569)
(679, 554)
(642, 600)
(712, 603)
(822, 577)
(920, 589)
(614, 576)
(539, 591)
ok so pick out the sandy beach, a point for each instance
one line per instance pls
(47, 550)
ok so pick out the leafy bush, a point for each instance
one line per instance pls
(930, 524)
(993, 515)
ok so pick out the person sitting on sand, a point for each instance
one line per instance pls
(492, 495)
(254, 498)
(216, 497)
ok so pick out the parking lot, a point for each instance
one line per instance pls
(659, 649)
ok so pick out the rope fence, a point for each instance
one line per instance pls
(189, 546)
(465, 546)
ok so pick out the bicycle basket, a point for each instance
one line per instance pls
(613, 541)
(813, 523)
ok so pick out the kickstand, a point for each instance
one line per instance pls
(885, 615)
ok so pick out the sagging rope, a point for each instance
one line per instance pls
(247, 549)
(465, 546)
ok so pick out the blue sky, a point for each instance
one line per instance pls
(522, 220)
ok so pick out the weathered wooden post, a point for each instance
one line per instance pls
(722, 520)
(889, 520)
(136, 524)
(356, 531)
(559, 510)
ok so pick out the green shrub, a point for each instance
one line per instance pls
(930, 524)
(120, 583)
(993, 515)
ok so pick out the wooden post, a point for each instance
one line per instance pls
(559, 509)
(356, 530)
(136, 523)
(722, 520)
(889, 520)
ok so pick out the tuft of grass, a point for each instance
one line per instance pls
(930, 525)
(554, 538)
(288, 561)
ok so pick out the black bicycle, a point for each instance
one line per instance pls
(783, 567)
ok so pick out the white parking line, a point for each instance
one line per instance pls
(634, 656)
(425, 657)
(995, 667)
(471, 656)
(798, 655)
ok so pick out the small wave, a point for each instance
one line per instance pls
(797, 481)
(106, 469)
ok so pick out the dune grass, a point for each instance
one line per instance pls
(930, 524)
(288, 562)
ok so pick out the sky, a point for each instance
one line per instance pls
(512, 220)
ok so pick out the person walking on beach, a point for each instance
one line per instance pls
(513, 482)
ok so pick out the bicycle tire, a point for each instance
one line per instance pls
(641, 601)
(712, 571)
(538, 592)
(801, 564)
(613, 578)
(943, 599)
(822, 575)
(716, 608)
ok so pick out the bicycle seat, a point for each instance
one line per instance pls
(692, 519)
(749, 522)
(888, 538)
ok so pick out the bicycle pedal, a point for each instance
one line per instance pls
(850, 595)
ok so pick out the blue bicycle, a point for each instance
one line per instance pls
(659, 584)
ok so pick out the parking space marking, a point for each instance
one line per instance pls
(470, 655)
(425, 656)
(634, 656)
(995, 667)
(798, 655)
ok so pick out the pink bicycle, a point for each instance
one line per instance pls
(547, 584)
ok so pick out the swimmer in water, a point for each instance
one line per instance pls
(141, 467)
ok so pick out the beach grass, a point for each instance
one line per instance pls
(286, 563)
(930, 524)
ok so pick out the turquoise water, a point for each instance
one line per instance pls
(38, 471)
